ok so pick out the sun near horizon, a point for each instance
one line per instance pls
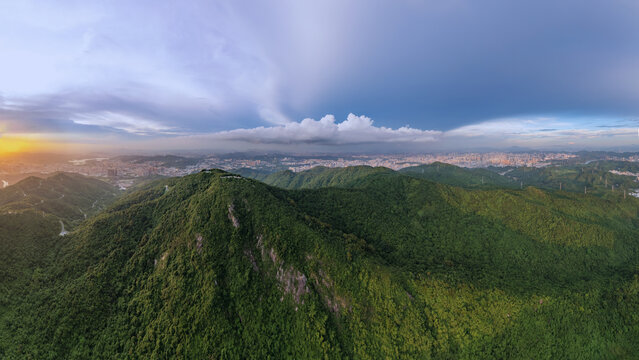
(12, 145)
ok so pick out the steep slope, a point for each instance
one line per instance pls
(214, 265)
(71, 197)
(209, 264)
(538, 254)
(32, 215)
(32, 211)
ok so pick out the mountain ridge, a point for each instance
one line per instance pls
(391, 265)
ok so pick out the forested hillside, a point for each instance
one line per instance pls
(593, 178)
(214, 265)
(458, 176)
(71, 197)
(32, 215)
(316, 177)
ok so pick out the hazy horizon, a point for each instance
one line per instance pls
(295, 179)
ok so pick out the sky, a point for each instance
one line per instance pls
(319, 76)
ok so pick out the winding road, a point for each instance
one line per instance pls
(63, 232)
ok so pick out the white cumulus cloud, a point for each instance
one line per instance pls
(354, 130)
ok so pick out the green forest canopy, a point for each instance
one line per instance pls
(380, 265)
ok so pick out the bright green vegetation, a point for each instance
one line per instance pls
(68, 196)
(316, 177)
(31, 214)
(458, 176)
(377, 265)
(595, 177)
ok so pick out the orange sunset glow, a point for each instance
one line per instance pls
(27, 143)
(297, 179)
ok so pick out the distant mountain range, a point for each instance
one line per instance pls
(574, 177)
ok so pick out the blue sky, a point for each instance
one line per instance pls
(406, 75)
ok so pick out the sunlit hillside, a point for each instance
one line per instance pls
(382, 265)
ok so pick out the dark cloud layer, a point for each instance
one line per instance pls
(449, 65)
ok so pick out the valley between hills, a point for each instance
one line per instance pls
(432, 262)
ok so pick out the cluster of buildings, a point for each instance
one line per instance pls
(398, 161)
(625, 173)
(128, 167)
(97, 167)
